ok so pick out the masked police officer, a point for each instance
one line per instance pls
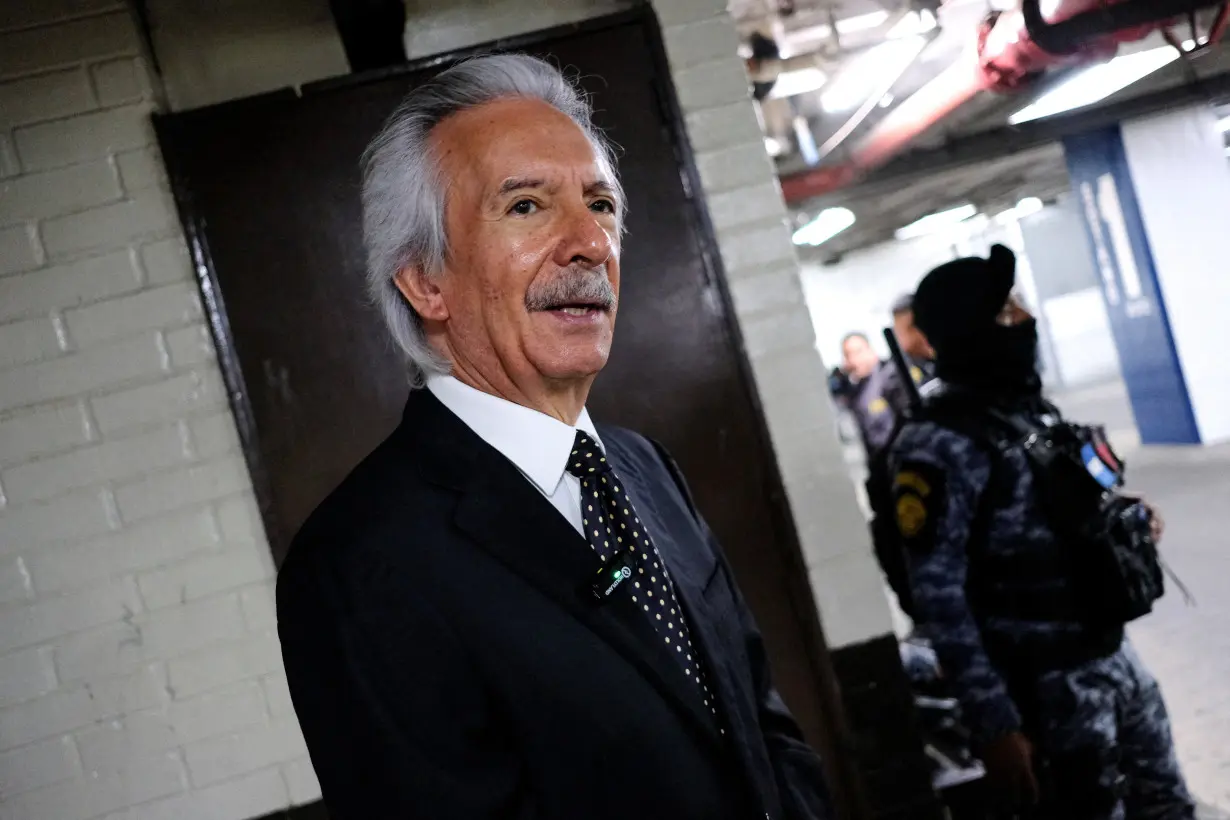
(1017, 538)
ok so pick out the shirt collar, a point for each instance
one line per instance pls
(537, 444)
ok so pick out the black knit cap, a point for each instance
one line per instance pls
(958, 301)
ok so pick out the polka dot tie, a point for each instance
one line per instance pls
(612, 526)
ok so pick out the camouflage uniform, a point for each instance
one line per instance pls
(876, 402)
(1099, 722)
(880, 400)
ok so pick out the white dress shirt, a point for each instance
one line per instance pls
(535, 443)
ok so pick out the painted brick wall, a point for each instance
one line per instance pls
(139, 664)
(762, 270)
(139, 669)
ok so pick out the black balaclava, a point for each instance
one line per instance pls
(956, 306)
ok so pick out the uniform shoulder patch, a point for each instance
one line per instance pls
(877, 406)
(918, 502)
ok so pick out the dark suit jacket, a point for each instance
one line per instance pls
(446, 659)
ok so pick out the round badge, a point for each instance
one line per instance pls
(911, 515)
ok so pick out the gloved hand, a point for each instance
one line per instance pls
(1009, 760)
(1157, 525)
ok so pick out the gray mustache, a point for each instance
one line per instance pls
(576, 286)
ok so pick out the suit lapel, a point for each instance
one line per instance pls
(503, 512)
(690, 578)
(686, 575)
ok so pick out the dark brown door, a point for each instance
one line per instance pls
(268, 188)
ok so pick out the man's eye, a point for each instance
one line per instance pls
(523, 207)
(605, 206)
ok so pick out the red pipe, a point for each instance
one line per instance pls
(1009, 58)
(1219, 25)
(1005, 59)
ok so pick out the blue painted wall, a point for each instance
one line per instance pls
(1102, 183)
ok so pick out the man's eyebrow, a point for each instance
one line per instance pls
(521, 184)
(600, 186)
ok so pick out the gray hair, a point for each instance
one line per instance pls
(403, 193)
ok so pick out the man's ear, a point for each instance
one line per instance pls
(422, 292)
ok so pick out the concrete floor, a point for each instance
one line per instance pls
(1186, 646)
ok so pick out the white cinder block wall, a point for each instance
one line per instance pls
(139, 670)
(746, 208)
(139, 663)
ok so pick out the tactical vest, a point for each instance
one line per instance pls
(1114, 558)
(1107, 557)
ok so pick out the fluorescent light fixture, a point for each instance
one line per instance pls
(827, 224)
(936, 222)
(1028, 205)
(887, 100)
(1004, 217)
(913, 23)
(1097, 83)
(862, 22)
(976, 224)
(866, 74)
(799, 81)
(804, 40)
(1223, 125)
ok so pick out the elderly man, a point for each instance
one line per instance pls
(506, 611)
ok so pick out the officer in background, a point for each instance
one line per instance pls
(871, 389)
(876, 394)
(879, 404)
(919, 354)
(861, 387)
(1030, 638)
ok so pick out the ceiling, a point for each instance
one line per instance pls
(992, 182)
(993, 186)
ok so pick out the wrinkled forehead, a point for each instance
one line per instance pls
(516, 137)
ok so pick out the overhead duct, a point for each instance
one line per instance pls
(1007, 58)
(1071, 34)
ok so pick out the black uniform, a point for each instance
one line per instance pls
(878, 402)
(1001, 580)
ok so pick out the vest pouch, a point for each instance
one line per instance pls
(1114, 558)
(1069, 495)
(1124, 573)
